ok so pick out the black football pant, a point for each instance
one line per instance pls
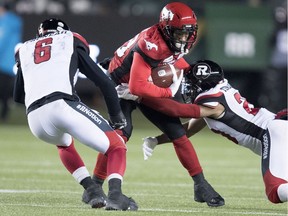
(171, 126)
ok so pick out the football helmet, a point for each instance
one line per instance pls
(51, 25)
(202, 75)
(178, 25)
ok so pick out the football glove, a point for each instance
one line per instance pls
(148, 146)
(118, 121)
(176, 82)
(124, 92)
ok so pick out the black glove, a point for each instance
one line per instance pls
(118, 121)
(105, 63)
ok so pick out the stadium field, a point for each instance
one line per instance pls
(34, 182)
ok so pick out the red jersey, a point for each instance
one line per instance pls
(133, 61)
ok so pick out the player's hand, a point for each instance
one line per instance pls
(176, 82)
(124, 92)
(118, 121)
(148, 146)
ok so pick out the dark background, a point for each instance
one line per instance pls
(252, 25)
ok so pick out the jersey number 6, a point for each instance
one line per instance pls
(42, 50)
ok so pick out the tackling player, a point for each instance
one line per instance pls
(165, 42)
(46, 77)
(226, 112)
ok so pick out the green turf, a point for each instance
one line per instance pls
(34, 182)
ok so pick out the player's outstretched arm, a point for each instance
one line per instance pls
(192, 127)
(88, 67)
(18, 91)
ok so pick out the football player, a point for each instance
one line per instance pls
(46, 76)
(226, 112)
(165, 42)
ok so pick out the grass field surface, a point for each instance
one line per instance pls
(34, 182)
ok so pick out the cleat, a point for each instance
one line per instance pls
(94, 196)
(204, 192)
(121, 203)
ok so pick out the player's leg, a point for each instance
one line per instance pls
(74, 164)
(275, 161)
(172, 127)
(94, 131)
(99, 175)
(116, 166)
(44, 127)
(100, 169)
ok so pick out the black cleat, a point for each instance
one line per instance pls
(204, 192)
(94, 196)
(121, 203)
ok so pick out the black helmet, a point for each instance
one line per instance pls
(51, 25)
(203, 75)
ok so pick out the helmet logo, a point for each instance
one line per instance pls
(166, 14)
(150, 46)
(203, 71)
(60, 24)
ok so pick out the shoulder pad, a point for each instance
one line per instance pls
(152, 44)
(210, 100)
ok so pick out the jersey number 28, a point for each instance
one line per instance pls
(249, 108)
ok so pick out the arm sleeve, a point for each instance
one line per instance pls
(139, 84)
(88, 67)
(172, 108)
(192, 127)
(18, 92)
(182, 64)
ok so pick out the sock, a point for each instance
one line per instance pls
(187, 155)
(199, 178)
(70, 157)
(98, 180)
(120, 132)
(86, 182)
(116, 161)
(114, 185)
(100, 170)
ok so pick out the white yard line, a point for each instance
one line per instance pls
(193, 210)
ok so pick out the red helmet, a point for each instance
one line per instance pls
(176, 20)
